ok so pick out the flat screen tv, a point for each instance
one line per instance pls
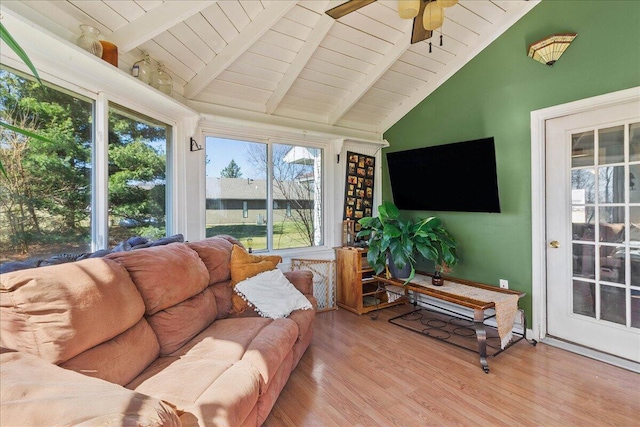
(457, 177)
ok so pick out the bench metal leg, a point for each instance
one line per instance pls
(481, 334)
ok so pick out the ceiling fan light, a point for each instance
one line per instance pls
(433, 16)
(408, 9)
(446, 3)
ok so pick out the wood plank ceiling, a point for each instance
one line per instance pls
(286, 59)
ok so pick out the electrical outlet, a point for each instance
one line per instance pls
(504, 283)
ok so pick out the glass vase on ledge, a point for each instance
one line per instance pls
(89, 40)
(142, 69)
(161, 80)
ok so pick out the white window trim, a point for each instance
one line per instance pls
(100, 194)
(100, 184)
(272, 135)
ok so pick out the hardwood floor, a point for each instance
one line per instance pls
(360, 372)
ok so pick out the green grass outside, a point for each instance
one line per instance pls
(285, 235)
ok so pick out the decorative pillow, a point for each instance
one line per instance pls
(244, 265)
(272, 294)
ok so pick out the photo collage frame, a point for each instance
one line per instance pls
(358, 201)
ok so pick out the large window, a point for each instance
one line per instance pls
(268, 195)
(137, 175)
(45, 197)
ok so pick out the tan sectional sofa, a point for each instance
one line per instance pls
(144, 338)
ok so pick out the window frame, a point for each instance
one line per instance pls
(141, 117)
(101, 102)
(279, 135)
(100, 216)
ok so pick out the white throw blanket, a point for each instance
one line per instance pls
(272, 294)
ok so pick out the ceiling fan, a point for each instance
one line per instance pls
(427, 15)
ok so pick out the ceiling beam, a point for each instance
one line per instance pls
(515, 11)
(310, 45)
(246, 119)
(249, 35)
(394, 53)
(154, 22)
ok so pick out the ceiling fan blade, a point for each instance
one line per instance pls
(418, 33)
(347, 7)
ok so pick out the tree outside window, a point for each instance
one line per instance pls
(45, 199)
(137, 175)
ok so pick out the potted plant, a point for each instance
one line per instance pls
(402, 240)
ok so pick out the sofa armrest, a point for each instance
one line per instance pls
(302, 280)
(36, 392)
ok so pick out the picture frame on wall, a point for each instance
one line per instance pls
(359, 182)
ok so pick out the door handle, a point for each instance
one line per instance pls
(554, 244)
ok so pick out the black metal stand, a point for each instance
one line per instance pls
(455, 328)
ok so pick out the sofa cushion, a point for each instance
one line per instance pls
(223, 292)
(211, 392)
(120, 359)
(176, 325)
(301, 279)
(164, 275)
(244, 265)
(37, 393)
(301, 346)
(272, 294)
(303, 319)
(58, 312)
(269, 396)
(225, 339)
(270, 348)
(181, 387)
(215, 252)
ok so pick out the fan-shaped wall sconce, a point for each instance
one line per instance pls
(549, 49)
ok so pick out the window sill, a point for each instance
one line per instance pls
(316, 252)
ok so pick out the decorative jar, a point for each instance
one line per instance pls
(162, 80)
(109, 52)
(89, 40)
(437, 279)
(142, 69)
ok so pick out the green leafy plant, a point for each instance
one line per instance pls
(404, 239)
(6, 37)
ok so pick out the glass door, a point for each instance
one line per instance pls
(593, 230)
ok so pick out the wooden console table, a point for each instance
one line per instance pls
(421, 284)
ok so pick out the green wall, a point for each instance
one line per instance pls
(493, 95)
